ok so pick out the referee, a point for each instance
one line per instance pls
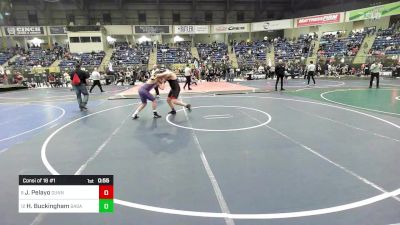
(311, 72)
(376, 68)
(188, 76)
(96, 80)
(280, 74)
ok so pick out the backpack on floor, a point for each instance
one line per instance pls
(76, 80)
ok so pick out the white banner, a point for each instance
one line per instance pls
(152, 29)
(230, 28)
(191, 29)
(24, 31)
(272, 25)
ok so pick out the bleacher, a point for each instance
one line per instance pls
(289, 50)
(180, 54)
(387, 42)
(87, 60)
(35, 56)
(250, 53)
(333, 45)
(130, 55)
(214, 52)
(5, 56)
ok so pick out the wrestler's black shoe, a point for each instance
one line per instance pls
(156, 116)
(189, 107)
(173, 112)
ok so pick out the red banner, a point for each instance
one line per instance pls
(319, 20)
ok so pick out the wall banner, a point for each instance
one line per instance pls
(192, 29)
(58, 30)
(152, 29)
(230, 28)
(374, 12)
(272, 25)
(24, 31)
(319, 20)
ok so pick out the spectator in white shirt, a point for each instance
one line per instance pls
(3, 75)
(96, 80)
(67, 79)
(261, 69)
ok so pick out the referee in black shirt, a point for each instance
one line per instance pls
(280, 74)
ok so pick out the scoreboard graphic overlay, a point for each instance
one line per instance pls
(66, 194)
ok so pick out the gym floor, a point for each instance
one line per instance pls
(326, 154)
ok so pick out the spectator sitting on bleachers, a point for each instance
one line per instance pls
(387, 42)
(216, 52)
(6, 55)
(335, 45)
(295, 49)
(250, 53)
(126, 54)
(180, 54)
(36, 56)
(87, 60)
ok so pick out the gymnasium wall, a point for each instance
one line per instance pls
(380, 23)
(118, 29)
(56, 13)
(87, 46)
(346, 26)
(190, 12)
(208, 38)
(270, 34)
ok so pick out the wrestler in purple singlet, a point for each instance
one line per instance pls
(144, 92)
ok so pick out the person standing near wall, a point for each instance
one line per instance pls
(3, 75)
(376, 69)
(37, 79)
(326, 69)
(231, 74)
(2, 71)
(67, 79)
(78, 80)
(134, 76)
(398, 69)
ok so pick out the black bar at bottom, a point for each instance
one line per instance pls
(66, 179)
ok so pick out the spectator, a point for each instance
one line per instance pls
(67, 79)
(80, 88)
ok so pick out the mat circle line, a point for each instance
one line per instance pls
(357, 107)
(339, 83)
(41, 126)
(398, 98)
(221, 130)
(258, 216)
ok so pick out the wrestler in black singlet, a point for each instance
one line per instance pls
(175, 89)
